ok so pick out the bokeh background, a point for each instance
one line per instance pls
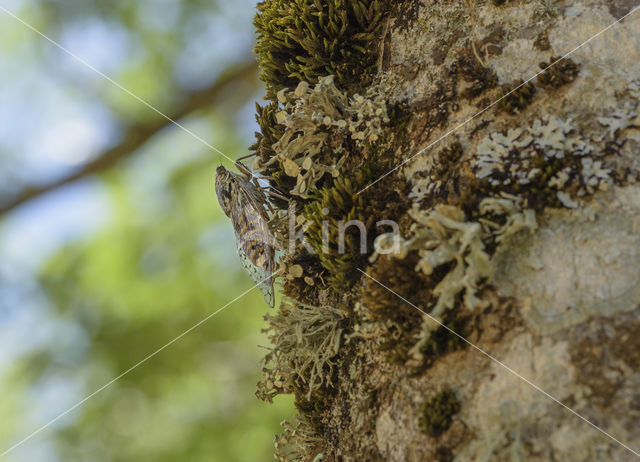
(111, 239)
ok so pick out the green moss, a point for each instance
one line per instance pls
(444, 454)
(333, 206)
(438, 413)
(478, 78)
(270, 131)
(515, 102)
(542, 42)
(399, 116)
(306, 39)
(561, 73)
(442, 341)
(399, 276)
(447, 160)
(403, 321)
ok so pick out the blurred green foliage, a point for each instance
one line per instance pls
(162, 260)
(134, 287)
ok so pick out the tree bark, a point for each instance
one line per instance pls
(544, 181)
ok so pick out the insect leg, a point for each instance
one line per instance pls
(275, 193)
(244, 169)
(247, 156)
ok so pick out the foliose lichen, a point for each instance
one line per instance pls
(452, 257)
(548, 163)
(443, 237)
(626, 117)
(318, 124)
(437, 178)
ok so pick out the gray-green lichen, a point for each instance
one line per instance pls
(443, 237)
(517, 218)
(619, 119)
(552, 149)
(298, 442)
(306, 339)
(318, 122)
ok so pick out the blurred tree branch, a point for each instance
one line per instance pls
(137, 135)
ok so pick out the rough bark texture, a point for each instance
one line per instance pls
(551, 285)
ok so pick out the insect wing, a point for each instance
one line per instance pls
(254, 241)
(260, 276)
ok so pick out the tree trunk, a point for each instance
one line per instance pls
(519, 215)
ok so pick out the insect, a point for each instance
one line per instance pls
(245, 203)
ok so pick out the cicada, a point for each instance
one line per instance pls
(246, 204)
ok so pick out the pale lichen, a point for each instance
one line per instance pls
(444, 239)
(318, 120)
(438, 169)
(508, 441)
(443, 236)
(552, 150)
(305, 341)
(627, 116)
(298, 442)
(517, 218)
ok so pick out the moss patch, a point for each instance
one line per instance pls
(438, 413)
(341, 249)
(444, 454)
(560, 74)
(306, 39)
(515, 101)
(477, 78)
